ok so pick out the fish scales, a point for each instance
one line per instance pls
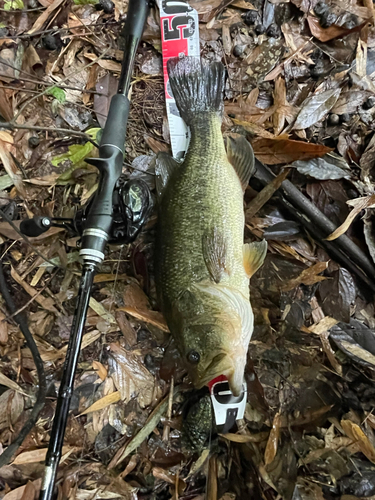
(202, 270)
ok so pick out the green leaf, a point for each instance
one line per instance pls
(75, 154)
(57, 93)
(13, 5)
(93, 133)
(3, 25)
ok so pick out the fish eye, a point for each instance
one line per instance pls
(193, 357)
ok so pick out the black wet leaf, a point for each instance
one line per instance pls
(337, 295)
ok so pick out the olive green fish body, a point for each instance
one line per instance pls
(202, 266)
(204, 195)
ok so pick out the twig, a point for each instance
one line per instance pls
(32, 298)
(6, 456)
(343, 249)
(169, 412)
(54, 30)
(12, 126)
(18, 11)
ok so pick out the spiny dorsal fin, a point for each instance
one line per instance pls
(165, 165)
(241, 157)
(253, 256)
(214, 254)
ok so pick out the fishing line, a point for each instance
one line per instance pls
(6, 456)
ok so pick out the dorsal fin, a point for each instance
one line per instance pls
(165, 165)
(241, 157)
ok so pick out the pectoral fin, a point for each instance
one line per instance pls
(164, 167)
(214, 254)
(241, 157)
(253, 256)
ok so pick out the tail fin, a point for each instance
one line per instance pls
(196, 86)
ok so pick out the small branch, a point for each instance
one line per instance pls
(12, 126)
(32, 298)
(18, 11)
(53, 30)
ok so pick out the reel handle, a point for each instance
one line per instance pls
(35, 226)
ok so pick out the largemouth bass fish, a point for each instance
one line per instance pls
(202, 265)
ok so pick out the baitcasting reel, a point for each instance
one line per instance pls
(132, 204)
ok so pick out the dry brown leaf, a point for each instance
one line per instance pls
(246, 438)
(114, 397)
(324, 325)
(44, 16)
(104, 63)
(102, 371)
(212, 478)
(204, 6)
(101, 311)
(155, 145)
(361, 58)
(11, 407)
(273, 151)
(252, 98)
(6, 146)
(354, 432)
(91, 81)
(29, 457)
(29, 492)
(370, 6)
(169, 477)
(227, 40)
(326, 34)
(273, 440)
(137, 305)
(134, 296)
(131, 377)
(279, 102)
(17, 493)
(153, 317)
(305, 418)
(266, 194)
(359, 204)
(45, 180)
(5, 105)
(3, 329)
(46, 303)
(103, 278)
(137, 440)
(330, 353)
(358, 351)
(253, 128)
(129, 333)
(308, 277)
(56, 354)
(4, 380)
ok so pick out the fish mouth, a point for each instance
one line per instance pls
(223, 364)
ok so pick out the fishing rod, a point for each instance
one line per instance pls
(115, 214)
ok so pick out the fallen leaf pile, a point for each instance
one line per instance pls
(301, 88)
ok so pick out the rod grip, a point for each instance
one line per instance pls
(115, 127)
(135, 18)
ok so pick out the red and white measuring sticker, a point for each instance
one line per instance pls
(227, 407)
(180, 36)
